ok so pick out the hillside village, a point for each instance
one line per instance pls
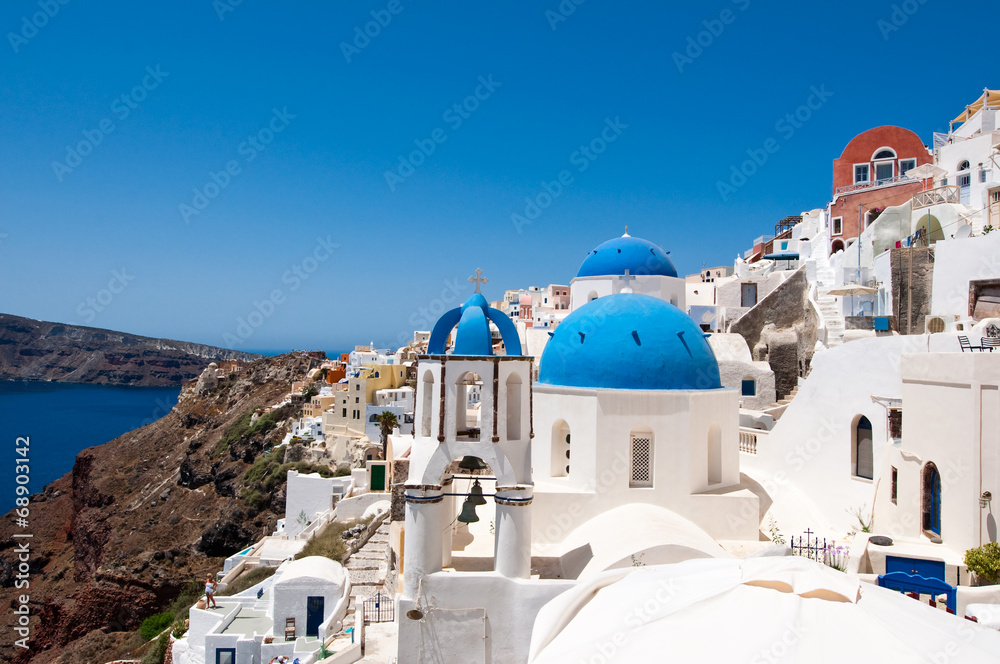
(812, 432)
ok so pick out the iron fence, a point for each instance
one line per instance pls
(379, 608)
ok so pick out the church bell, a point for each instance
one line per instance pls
(472, 464)
(468, 514)
(476, 494)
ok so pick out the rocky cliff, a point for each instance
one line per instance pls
(143, 516)
(38, 350)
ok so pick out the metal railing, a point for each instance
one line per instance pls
(950, 193)
(874, 184)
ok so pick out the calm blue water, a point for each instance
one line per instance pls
(62, 419)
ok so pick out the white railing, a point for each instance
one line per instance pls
(950, 193)
(874, 184)
(748, 442)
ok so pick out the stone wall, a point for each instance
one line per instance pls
(912, 285)
(400, 471)
(782, 330)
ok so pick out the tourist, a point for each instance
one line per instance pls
(210, 586)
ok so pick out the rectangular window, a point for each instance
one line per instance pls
(983, 174)
(906, 165)
(964, 180)
(884, 171)
(860, 173)
(893, 491)
(749, 387)
(344, 414)
(641, 469)
(838, 225)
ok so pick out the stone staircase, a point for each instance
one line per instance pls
(369, 566)
(787, 399)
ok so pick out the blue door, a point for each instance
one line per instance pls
(314, 615)
(225, 656)
(929, 569)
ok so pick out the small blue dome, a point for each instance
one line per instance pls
(629, 342)
(638, 256)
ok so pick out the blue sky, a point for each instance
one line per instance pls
(245, 169)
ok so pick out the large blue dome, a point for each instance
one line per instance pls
(629, 342)
(634, 254)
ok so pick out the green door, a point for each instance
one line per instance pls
(378, 477)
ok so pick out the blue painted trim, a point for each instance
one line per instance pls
(915, 583)
(439, 337)
(508, 331)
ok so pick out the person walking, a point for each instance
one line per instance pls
(210, 586)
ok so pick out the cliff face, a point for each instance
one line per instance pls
(144, 515)
(38, 350)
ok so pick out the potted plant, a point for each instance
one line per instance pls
(984, 563)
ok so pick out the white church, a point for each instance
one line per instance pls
(624, 452)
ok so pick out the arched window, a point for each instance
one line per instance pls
(513, 407)
(560, 449)
(862, 449)
(715, 454)
(592, 296)
(964, 166)
(884, 153)
(931, 499)
(640, 458)
(426, 404)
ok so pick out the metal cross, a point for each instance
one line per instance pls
(479, 279)
(627, 278)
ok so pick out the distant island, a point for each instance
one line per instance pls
(44, 351)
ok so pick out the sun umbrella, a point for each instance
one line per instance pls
(925, 171)
(787, 609)
(852, 290)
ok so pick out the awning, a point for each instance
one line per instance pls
(990, 97)
(782, 257)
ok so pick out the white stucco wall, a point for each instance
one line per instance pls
(956, 263)
(473, 617)
(951, 417)
(311, 576)
(804, 464)
(309, 494)
(668, 289)
(600, 423)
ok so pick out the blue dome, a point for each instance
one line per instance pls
(634, 254)
(629, 342)
(473, 336)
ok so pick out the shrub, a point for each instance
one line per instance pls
(190, 593)
(255, 499)
(342, 471)
(329, 543)
(155, 624)
(985, 562)
(158, 650)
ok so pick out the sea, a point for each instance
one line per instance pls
(61, 419)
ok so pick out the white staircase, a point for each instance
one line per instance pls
(829, 306)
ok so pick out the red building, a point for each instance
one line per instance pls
(871, 173)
